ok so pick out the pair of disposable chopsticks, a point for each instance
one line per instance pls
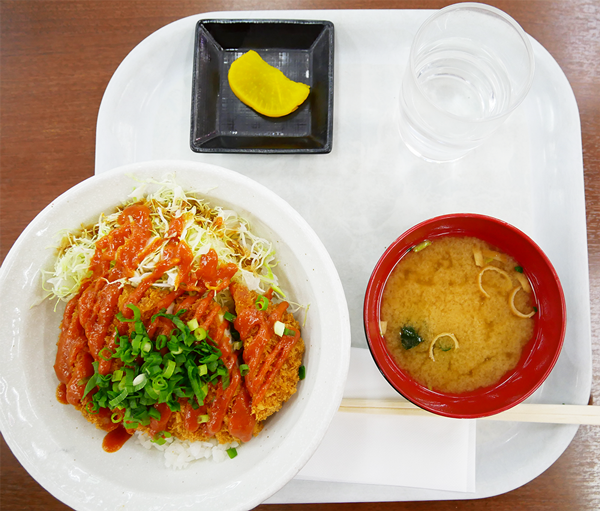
(524, 412)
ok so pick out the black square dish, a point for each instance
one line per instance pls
(302, 50)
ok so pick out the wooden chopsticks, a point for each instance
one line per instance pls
(524, 412)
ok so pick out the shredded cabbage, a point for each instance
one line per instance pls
(205, 227)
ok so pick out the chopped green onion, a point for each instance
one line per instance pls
(91, 407)
(139, 379)
(200, 333)
(154, 413)
(231, 452)
(92, 382)
(106, 357)
(225, 381)
(302, 372)
(148, 377)
(129, 376)
(169, 369)
(238, 345)
(160, 437)
(262, 302)
(279, 328)
(519, 269)
(244, 369)
(421, 246)
(161, 342)
(203, 418)
(137, 342)
(118, 399)
(193, 324)
(229, 317)
(159, 383)
(444, 346)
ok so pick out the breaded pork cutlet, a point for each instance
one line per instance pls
(273, 360)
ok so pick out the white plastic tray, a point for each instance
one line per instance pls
(370, 189)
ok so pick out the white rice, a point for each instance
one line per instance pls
(180, 453)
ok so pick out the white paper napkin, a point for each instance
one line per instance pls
(421, 452)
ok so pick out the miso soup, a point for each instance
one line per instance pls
(457, 313)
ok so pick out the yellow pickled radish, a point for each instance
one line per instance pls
(265, 88)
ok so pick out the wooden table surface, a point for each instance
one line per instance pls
(56, 60)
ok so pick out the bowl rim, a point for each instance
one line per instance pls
(512, 388)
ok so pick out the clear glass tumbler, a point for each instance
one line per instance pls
(470, 66)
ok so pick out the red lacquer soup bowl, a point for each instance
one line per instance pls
(539, 354)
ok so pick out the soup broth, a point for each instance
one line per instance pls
(457, 313)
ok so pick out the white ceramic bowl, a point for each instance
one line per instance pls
(63, 452)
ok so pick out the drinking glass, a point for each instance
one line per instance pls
(470, 66)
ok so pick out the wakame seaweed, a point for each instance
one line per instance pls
(409, 337)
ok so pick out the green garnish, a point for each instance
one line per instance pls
(280, 329)
(231, 452)
(200, 333)
(302, 372)
(421, 246)
(89, 408)
(409, 337)
(147, 377)
(262, 302)
(160, 437)
(444, 346)
(229, 317)
(519, 269)
(105, 354)
(244, 369)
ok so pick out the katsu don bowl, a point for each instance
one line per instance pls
(465, 315)
(166, 358)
